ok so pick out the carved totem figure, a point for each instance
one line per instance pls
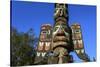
(56, 44)
(61, 37)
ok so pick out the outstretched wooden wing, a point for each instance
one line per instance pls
(78, 42)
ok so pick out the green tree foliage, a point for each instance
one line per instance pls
(22, 50)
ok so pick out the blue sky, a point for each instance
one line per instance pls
(26, 15)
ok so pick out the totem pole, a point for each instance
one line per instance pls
(44, 44)
(55, 44)
(61, 35)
